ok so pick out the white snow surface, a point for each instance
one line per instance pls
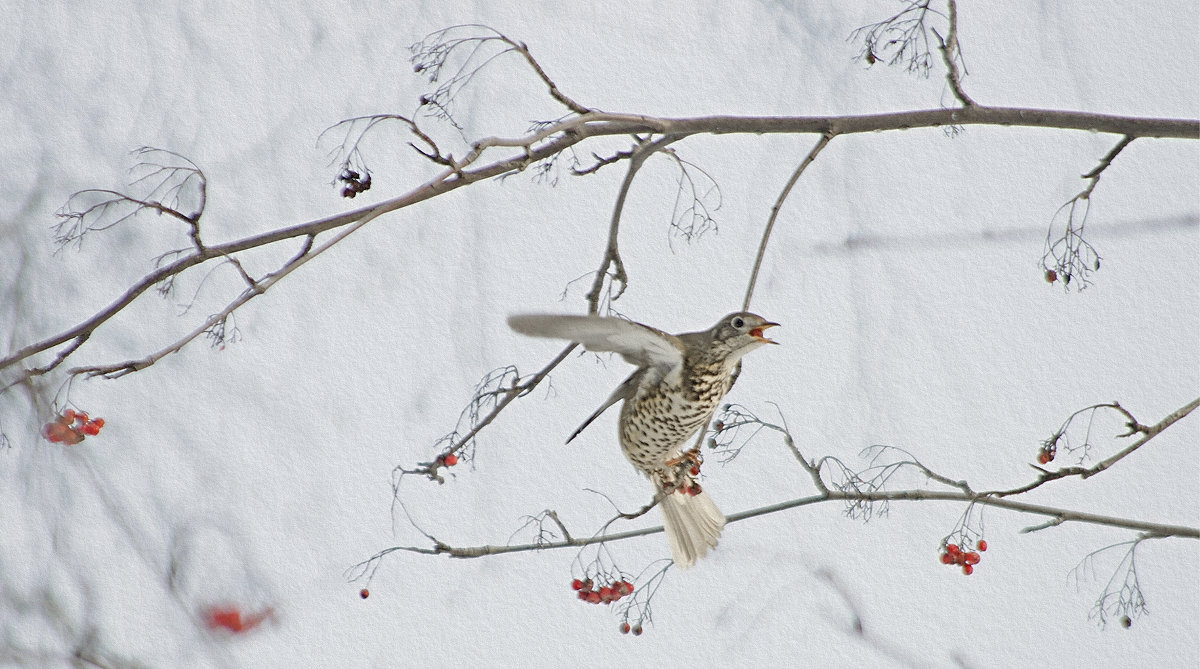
(904, 269)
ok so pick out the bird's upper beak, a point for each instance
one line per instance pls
(757, 333)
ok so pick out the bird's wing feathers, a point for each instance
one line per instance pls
(638, 344)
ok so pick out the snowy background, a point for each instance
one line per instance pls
(258, 474)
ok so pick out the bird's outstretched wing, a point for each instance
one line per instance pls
(638, 344)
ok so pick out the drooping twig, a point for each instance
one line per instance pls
(787, 189)
(610, 264)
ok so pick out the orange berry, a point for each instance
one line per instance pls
(364, 593)
(624, 628)
(98, 422)
(982, 546)
(577, 584)
(947, 558)
(450, 460)
(1044, 458)
(90, 429)
(971, 558)
(968, 569)
(637, 630)
(952, 549)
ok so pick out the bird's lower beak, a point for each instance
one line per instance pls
(757, 333)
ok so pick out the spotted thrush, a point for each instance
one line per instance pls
(678, 383)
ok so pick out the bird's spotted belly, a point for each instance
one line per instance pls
(656, 427)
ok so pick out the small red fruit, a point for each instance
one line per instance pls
(98, 422)
(68, 416)
(1051, 276)
(90, 429)
(624, 628)
(971, 558)
(695, 470)
(364, 593)
(577, 584)
(952, 549)
(637, 630)
(1043, 458)
(450, 460)
(982, 546)
(968, 569)
(947, 558)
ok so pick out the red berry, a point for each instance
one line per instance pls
(1051, 276)
(98, 422)
(720, 426)
(81, 416)
(90, 429)
(577, 584)
(947, 558)
(637, 630)
(593, 597)
(952, 549)
(229, 618)
(606, 592)
(1043, 458)
(695, 470)
(624, 628)
(971, 558)
(968, 569)
(982, 546)
(450, 460)
(68, 416)
(364, 593)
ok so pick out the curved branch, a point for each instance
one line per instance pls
(766, 236)
(560, 136)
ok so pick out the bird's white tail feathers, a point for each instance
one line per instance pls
(693, 525)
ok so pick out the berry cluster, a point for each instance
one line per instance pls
(636, 629)
(606, 594)
(448, 460)
(355, 182)
(1046, 453)
(230, 618)
(954, 555)
(71, 427)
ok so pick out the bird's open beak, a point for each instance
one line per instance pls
(757, 333)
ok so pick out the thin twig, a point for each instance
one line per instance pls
(787, 189)
(1147, 432)
(612, 256)
(951, 54)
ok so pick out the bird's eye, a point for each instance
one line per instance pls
(738, 322)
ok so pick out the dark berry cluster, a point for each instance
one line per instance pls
(355, 183)
(606, 594)
(953, 555)
(626, 629)
(71, 427)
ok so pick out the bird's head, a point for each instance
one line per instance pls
(742, 332)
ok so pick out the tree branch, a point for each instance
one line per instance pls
(766, 236)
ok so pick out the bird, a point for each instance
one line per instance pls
(676, 388)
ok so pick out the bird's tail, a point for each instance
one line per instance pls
(693, 525)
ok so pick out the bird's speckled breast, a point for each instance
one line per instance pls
(657, 422)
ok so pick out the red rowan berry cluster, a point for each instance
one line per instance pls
(355, 182)
(71, 427)
(606, 594)
(230, 618)
(1046, 453)
(953, 555)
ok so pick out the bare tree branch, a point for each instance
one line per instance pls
(766, 236)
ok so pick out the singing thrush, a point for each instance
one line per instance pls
(678, 383)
